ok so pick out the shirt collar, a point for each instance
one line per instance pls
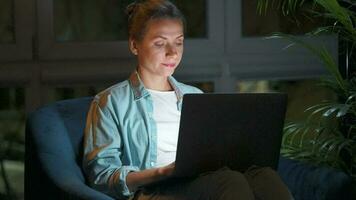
(140, 90)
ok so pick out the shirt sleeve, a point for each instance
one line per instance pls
(102, 151)
(197, 90)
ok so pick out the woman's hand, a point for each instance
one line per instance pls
(167, 170)
(148, 176)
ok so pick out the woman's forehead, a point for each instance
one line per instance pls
(164, 28)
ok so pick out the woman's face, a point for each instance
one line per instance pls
(161, 48)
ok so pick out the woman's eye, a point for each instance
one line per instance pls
(159, 44)
(179, 42)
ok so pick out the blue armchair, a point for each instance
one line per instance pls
(54, 136)
(53, 152)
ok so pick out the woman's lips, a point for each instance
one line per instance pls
(169, 64)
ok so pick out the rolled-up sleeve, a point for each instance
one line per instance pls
(103, 149)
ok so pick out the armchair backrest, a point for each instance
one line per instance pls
(54, 135)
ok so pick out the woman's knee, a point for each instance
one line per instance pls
(230, 184)
(266, 183)
(229, 176)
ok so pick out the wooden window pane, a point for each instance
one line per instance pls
(105, 20)
(7, 28)
(254, 24)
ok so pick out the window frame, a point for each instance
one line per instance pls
(274, 60)
(23, 22)
(51, 50)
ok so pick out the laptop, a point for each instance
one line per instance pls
(227, 130)
(234, 130)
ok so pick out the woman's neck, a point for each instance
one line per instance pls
(155, 82)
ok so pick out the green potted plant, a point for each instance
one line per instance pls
(328, 135)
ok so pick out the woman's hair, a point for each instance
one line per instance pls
(141, 12)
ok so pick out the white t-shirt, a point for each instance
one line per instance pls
(167, 117)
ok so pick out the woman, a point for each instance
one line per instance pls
(132, 127)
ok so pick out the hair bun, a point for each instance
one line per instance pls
(131, 8)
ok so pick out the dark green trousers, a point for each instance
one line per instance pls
(256, 183)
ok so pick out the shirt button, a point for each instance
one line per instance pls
(152, 164)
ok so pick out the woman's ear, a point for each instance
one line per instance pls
(133, 46)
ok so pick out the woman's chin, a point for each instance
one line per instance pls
(169, 72)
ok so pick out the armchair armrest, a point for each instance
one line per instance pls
(307, 181)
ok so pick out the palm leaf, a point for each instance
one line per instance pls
(291, 131)
(330, 83)
(338, 109)
(352, 97)
(287, 7)
(319, 139)
(317, 109)
(339, 13)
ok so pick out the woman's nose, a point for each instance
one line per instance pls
(171, 50)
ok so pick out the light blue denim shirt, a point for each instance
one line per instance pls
(121, 134)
